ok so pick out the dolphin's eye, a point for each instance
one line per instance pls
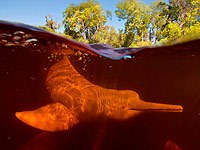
(125, 106)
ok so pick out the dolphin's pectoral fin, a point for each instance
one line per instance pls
(52, 117)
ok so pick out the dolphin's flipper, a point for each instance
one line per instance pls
(52, 117)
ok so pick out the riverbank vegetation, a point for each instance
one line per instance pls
(145, 25)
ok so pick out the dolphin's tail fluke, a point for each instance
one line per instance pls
(52, 117)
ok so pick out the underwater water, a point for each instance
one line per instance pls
(169, 74)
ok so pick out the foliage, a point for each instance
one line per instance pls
(46, 28)
(83, 21)
(137, 17)
(158, 20)
(193, 30)
(140, 44)
(171, 32)
(108, 35)
(51, 25)
(181, 17)
(157, 23)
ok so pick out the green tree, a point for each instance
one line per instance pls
(171, 32)
(51, 25)
(108, 35)
(185, 12)
(136, 15)
(83, 21)
(181, 19)
(193, 30)
(158, 20)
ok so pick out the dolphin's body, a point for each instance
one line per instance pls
(74, 98)
(77, 100)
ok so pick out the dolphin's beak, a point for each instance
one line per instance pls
(147, 106)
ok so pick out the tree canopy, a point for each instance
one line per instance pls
(158, 22)
(182, 19)
(137, 17)
(51, 25)
(83, 21)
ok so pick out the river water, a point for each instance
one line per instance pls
(168, 74)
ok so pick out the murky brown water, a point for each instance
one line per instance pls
(165, 75)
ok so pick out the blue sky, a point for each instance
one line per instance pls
(33, 12)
